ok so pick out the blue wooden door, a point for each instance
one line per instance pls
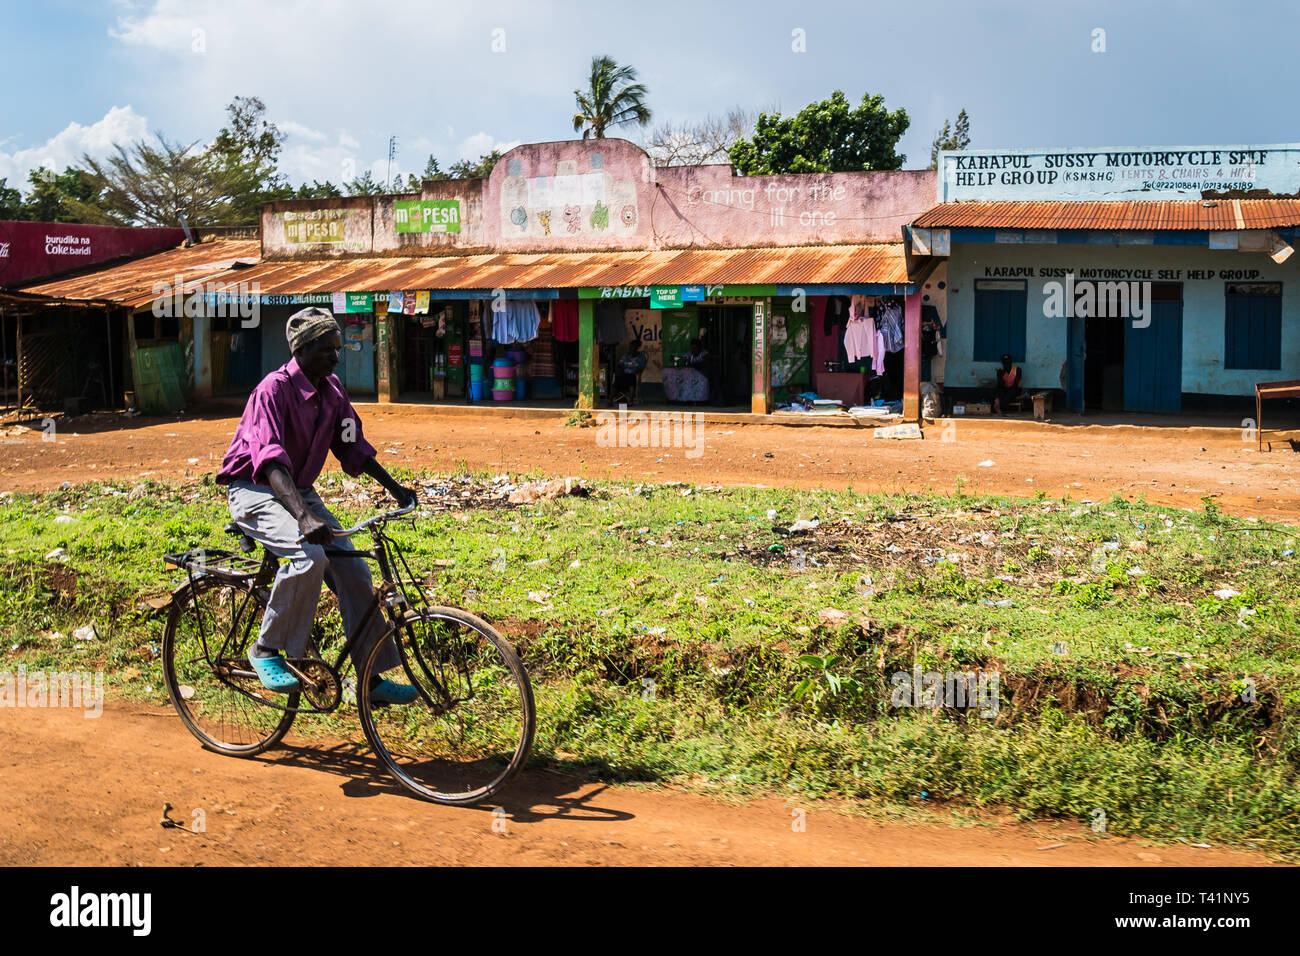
(1076, 349)
(1153, 360)
(357, 369)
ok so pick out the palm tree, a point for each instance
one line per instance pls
(612, 99)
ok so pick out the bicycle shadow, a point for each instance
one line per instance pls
(536, 794)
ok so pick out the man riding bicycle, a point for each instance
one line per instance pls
(296, 415)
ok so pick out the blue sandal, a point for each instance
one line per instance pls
(387, 692)
(274, 674)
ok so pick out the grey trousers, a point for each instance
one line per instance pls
(286, 625)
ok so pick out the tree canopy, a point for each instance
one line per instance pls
(825, 137)
(951, 137)
(611, 98)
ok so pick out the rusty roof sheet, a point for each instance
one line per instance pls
(883, 263)
(1194, 214)
(131, 283)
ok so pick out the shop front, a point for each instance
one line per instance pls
(1143, 280)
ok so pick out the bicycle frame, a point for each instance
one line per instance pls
(394, 591)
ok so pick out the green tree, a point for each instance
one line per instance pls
(825, 137)
(479, 168)
(58, 197)
(364, 185)
(317, 190)
(11, 202)
(612, 98)
(151, 184)
(956, 136)
(431, 171)
(248, 148)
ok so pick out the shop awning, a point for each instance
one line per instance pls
(840, 265)
(132, 283)
(1188, 214)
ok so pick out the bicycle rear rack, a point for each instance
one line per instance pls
(216, 562)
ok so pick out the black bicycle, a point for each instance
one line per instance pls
(468, 731)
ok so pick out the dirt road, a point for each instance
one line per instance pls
(1167, 465)
(98, 798)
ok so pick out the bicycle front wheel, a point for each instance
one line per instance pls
(209, 680)
(471, 727)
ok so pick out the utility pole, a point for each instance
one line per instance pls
(392, 154)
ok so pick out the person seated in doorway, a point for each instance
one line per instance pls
(700, 359)
(630, 366)
(697, 357)
(1008, 385)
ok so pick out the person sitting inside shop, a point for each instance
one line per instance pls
(700, 359)
(1008, 385)
(630, 367)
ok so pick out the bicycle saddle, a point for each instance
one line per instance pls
(246, 544)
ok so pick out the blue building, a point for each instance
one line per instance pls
(1138, 280)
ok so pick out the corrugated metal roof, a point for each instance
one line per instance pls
(1194, 214)
(132, 284)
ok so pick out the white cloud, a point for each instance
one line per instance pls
(326, 65)
(480, 144)
(165, 26)
(290, 128)
(121, 124)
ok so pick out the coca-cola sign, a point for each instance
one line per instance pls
(32, 251)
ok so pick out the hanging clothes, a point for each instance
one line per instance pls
(837, 314)
(564, 320)
(517, 322)
(889, 322)
(859, 339)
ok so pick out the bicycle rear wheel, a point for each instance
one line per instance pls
(471, 727)
(209, 629)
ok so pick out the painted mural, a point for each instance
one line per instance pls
(549, 199)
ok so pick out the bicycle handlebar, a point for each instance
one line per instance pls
(344, 532)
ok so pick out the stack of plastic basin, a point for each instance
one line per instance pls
(520, 358)
(476, 382)
(503, 382)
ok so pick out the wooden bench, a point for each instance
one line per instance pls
(1265, 390)
(1042, 402)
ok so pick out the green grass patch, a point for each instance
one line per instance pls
(679, 634)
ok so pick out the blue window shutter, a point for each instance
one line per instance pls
(999, 324)
(1252, 331)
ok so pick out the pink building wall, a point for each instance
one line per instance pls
(600, 195)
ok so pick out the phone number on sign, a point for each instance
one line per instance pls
(1218, 187)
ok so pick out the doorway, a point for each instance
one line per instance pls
(727, 331)
(1103, 363)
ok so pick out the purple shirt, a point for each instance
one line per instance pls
(287, 420)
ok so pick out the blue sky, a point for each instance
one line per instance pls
(340, 76)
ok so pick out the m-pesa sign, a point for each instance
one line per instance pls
(1179, 172)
